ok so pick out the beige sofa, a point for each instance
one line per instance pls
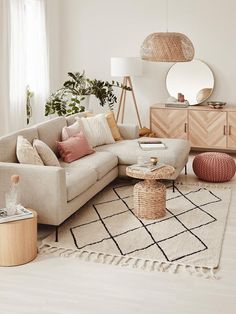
(57, 192)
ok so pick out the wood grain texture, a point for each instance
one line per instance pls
(232, 130)
(207, 129)
(204, 127)
(170, 123)
(18, 241)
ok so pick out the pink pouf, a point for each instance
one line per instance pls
(214, 167)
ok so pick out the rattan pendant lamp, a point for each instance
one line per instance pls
(167, 46)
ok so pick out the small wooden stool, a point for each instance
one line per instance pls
(18, 241)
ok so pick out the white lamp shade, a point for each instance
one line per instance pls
(130, 66)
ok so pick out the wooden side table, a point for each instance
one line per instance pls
(18, 241)
(150, 195)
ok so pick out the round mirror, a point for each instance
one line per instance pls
(194, 80)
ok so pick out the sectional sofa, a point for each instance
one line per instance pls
(57, 192)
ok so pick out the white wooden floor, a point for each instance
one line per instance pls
(60, 285)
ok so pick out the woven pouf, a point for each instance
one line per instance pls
(214, 167)
(150, 199)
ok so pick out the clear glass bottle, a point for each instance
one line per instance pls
(12, 197)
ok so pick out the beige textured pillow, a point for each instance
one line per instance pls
(46, 154)
(96, 130)
(26, 153)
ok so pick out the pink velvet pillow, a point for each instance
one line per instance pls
(74, 148)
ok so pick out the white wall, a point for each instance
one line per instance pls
(4, 99)
(55, 41)
(92, 31)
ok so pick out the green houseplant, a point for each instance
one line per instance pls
(68, 99)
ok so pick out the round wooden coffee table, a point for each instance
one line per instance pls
(18, 241)
(150, 195)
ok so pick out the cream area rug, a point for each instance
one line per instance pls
(188, 238)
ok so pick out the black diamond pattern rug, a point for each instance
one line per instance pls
(108, 229)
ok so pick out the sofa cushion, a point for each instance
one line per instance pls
(50, 132)
(127, 151)
(78, 180)
(8, 143)
(101, 162)
(26, 153)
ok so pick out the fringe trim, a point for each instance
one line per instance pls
(220, 185)
(128, 261)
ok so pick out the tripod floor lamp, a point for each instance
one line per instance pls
(126, 68)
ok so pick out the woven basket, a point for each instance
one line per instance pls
(150, 199)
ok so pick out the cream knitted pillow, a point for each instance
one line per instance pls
(96, 130)
(26, 153)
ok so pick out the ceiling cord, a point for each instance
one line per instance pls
(167, 15)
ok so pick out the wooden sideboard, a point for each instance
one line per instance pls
(204, 127)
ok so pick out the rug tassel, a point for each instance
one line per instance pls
(105, 256)
(175, 268)
(161, 267)
(145, 264)
(155, 265)
(126, 262)
(135, 265)
(119, 260)
(98, 257)
(112, 259)
(166, 266)
(89, 256)
(213, 273)
(152, 268)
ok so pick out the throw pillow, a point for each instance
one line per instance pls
(46, 154)
(26, 153)
(113, 126)
(111, 123)
(69, 131)
(74, 148)
(96, 130)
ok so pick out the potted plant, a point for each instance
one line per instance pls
(69, 99)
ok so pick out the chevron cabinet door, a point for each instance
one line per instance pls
(232, 130)
(208, 129)
(171, 123)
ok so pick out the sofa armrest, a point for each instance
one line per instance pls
(128, 131)
(41, 188)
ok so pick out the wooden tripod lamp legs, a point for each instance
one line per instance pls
(127, 81)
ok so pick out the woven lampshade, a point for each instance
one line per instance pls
(167, 47)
